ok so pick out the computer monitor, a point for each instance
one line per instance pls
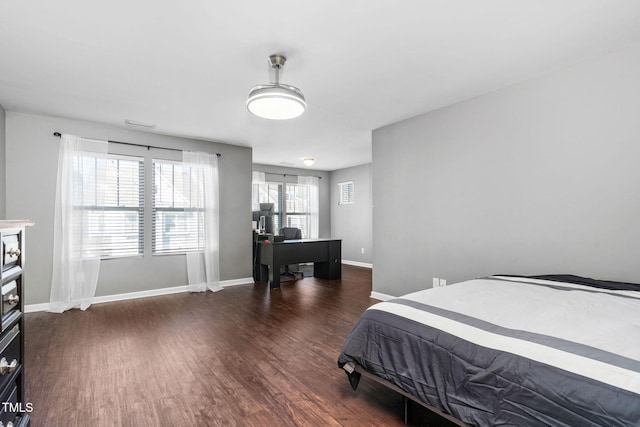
(266, 210)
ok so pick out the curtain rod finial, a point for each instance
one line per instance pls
(58, 134)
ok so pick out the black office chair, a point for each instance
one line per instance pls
(291, 233)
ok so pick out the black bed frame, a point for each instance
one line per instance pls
(405, 397)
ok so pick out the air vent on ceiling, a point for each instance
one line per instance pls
(141, 124)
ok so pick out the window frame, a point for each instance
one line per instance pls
(350, 192)
(154, 210)
(295, 213)
(140, 209)
(279, 203)
(282, 214)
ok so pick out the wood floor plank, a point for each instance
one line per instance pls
(245, 356)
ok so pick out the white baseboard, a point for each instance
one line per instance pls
(381, 297)
(31, 308)
(236, 282)
(357, 263)
(140, 294)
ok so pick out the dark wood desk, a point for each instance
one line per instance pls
(326, 255)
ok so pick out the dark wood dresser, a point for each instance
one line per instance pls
(14, 411)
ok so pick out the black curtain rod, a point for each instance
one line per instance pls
(289, 174)
(58, 134)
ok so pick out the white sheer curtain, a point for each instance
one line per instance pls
(203, 268)
(313, 182)
(80, 181)
(258, 178)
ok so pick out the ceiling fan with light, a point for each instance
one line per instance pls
(276, 101)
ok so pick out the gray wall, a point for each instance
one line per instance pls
(32, 153)
(353, 222)
(2, 163)
(541, 177)
(276, 173)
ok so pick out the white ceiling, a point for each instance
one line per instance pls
(187, 66)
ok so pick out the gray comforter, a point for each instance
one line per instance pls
(509, 351)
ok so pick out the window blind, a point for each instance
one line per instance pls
(112, 211)
(298, 208)
(346, 192)
(270, 192)
(178, 208)
(292, 204)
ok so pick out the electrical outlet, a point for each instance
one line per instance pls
(443, 282)
(362, 250)
(436, 282)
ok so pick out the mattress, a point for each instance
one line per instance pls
(508, 350)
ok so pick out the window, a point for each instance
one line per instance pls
(178, 208)
(269, 192)
(112, 211)
(297, 208)
(295, 204)
(292, 203)
(346, 192)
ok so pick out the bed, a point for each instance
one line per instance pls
(508, 350)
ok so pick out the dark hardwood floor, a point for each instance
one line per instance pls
(245, 356)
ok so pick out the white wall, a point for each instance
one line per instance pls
(31, 160)
(541, 177)
(353, 222)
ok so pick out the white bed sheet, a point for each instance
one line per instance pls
(606, 320)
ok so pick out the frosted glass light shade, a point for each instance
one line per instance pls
(276, 102)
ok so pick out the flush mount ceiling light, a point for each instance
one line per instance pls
(309, 161)
(276, 101)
